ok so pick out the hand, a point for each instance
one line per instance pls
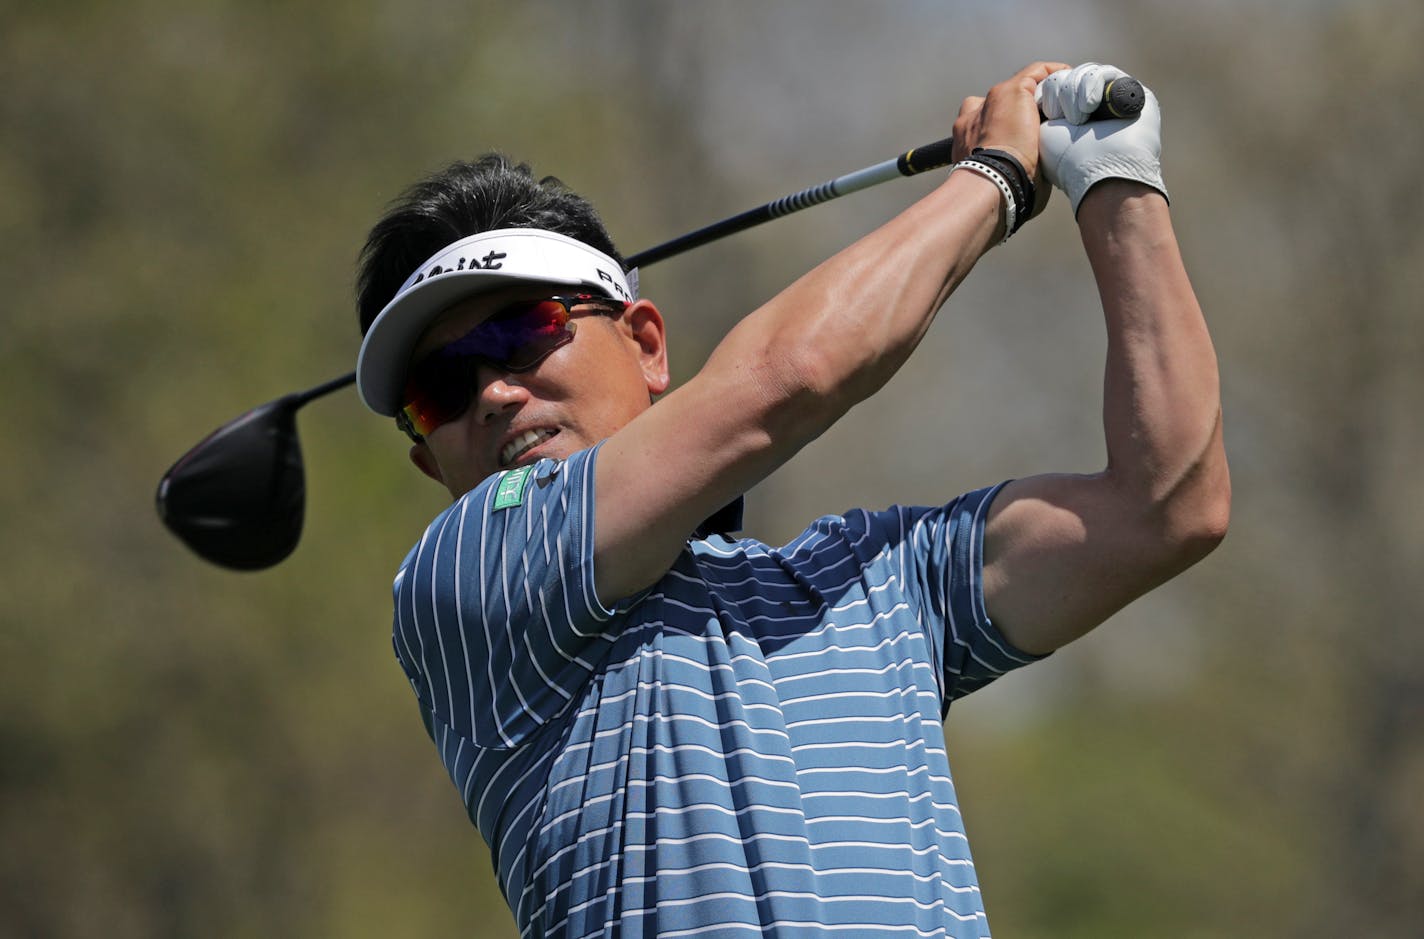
(1077, 155)
(1007, 119)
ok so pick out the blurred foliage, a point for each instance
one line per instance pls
(184, 187)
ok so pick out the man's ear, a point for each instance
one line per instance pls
(646, 325)
(424, 461)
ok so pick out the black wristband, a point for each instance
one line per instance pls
(1006, 170)
(1019, 181)
(1013, 171)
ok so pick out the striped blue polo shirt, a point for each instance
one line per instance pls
(752, 746)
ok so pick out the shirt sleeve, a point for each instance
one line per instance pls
(944, 568)
(497, 625)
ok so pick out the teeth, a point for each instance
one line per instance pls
(521, 444)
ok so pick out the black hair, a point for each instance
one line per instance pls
(463, 199)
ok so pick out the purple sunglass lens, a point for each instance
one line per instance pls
(514, 338)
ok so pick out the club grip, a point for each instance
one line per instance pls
(928, 157)
(1122, 98)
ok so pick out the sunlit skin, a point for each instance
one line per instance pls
(586, 390)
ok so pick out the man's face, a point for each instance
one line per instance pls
(585, 391)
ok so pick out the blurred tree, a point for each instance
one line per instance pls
(183, 189)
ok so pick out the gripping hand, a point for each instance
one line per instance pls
(1076, 154)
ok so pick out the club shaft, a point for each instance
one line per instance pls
(909, 163)
(325, 388)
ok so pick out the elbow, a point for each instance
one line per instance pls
(1203, 514)
(1179, 522)
(1183, 496)
(1204, 526)
(805, 388)
(1192, 519)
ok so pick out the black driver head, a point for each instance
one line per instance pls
(239, 496)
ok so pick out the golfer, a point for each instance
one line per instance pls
(661, 729)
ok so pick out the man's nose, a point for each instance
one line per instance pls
(496, 392)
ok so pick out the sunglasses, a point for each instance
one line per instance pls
(516, 339)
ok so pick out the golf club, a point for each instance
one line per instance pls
(238, 498)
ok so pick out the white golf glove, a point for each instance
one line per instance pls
(1076, 154)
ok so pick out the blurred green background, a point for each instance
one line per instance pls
(183, 190)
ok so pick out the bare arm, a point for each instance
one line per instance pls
(792, 368)
(1062, 553)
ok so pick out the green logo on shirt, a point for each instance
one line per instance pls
(511, 489)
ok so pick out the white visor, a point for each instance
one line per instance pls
(468, 267)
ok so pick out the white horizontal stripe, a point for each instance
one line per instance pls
(908, 745)
(870, 591)
(873, 796)
(856, 719)
(901, 693)
(774, 865)
(922, 823)
(672, 751)
(938, 904)
(627, 729)
(895, 847)
(709, 666)
(770, 928)
(738, 783)
(672, 687)
(713, 808)
(903, 663)
(676, 810)
(869, 771)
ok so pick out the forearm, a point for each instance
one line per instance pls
(841, 331)
(1162, 405)
(792, 368)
